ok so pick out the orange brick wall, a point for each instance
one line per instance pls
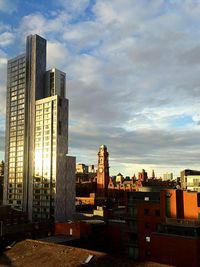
(191, 208)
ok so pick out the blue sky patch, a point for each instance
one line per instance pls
(181, 121)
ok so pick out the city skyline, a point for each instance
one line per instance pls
(132, 76)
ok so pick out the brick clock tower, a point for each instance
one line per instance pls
(102, 172)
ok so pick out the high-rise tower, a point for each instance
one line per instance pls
(37, 137)
(102, 172)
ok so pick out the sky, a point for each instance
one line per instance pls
(133, 76)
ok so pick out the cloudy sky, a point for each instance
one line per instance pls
(133, 76)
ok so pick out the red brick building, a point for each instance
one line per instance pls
(164, 227)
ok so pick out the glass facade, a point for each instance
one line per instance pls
(44, 181)
(55, 83)
(16, 120)
(37, 137)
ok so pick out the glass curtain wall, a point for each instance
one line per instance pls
(16, 98)
(45, 159)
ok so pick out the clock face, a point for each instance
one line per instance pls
(100, 170)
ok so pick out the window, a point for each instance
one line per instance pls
(13, 98)
(148, 239)
(46, 105)
(132, 211)
(147, 225)
(20, 106)
(148, 253)
(21, 101)
(13, 103)
(38, 107)
(146, 211)
(157, 213)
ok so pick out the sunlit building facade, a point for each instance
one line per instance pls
(36, 161)
(190, 180)
(15, 125)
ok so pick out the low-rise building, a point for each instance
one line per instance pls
(190, 180)
(163, 225)
(81, 168)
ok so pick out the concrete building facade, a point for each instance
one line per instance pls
(190, 180)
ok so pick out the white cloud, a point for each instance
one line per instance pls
(57, 55)
(31, 24)
(6, 38)
(74, 7)
(38, 23)
(86, 69)
(8, 6)
(133, 73)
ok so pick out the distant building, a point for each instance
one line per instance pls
(39, 177)
(81, 168)
(190, 180)
(153, 174)
(142, 176)
(119, 178)
(168, 176)
(91, 169)
(91, 187)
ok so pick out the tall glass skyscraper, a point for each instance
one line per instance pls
(39, 176)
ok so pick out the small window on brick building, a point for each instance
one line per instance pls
(148, 239)
(158, 228)
(148, 253)
(157, 213)
(147, 225)
(146, 199)
(146, 211)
